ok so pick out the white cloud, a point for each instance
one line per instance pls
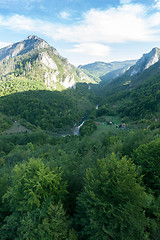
(4, 44)
(97, 29)
(127, 22)
(22, 23)
(154, 22)
(64, 15)
(114, 25)
(157, 4)
(92, 49)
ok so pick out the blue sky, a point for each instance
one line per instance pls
(85, 31)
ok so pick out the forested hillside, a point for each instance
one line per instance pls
(49, 110)
(102, 183)
(135, 97)
(80, 187)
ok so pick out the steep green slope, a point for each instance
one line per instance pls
(34, 65)
(47, 109)
(137, 97)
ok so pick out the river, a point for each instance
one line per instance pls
(76, 129)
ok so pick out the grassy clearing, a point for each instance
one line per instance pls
(113, 119)
(16, 128)
(104, 128)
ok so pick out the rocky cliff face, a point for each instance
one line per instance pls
(145, 62)
(23, 47)
(35, 59)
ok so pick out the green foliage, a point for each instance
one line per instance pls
(14, 84)
(73, 235)
(46, 109)
(4, 184)
(73, 155)
(137, 100)
(105, 110)
(5, 122)
(154, 125)
(48, 222)
(34, 200)
(88, 128)
(32, 183)
(148, 157)
(112, 203)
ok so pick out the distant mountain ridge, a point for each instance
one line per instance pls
(113, 74)
(107, 71)
(33, 64)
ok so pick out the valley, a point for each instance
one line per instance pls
(79, 147)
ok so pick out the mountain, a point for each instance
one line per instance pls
(107, 71)
(23, 47)
(145, 68)
(113, 74)
(136, 94)
(33, 64)
(145, 61)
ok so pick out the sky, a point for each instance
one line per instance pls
(84, 31)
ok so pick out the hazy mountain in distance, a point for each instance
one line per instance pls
(113, 74)
(107, 71)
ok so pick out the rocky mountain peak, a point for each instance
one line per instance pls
(32, 37)
(34, 59)
(145, 61)
(36, 42)
(20, 48)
